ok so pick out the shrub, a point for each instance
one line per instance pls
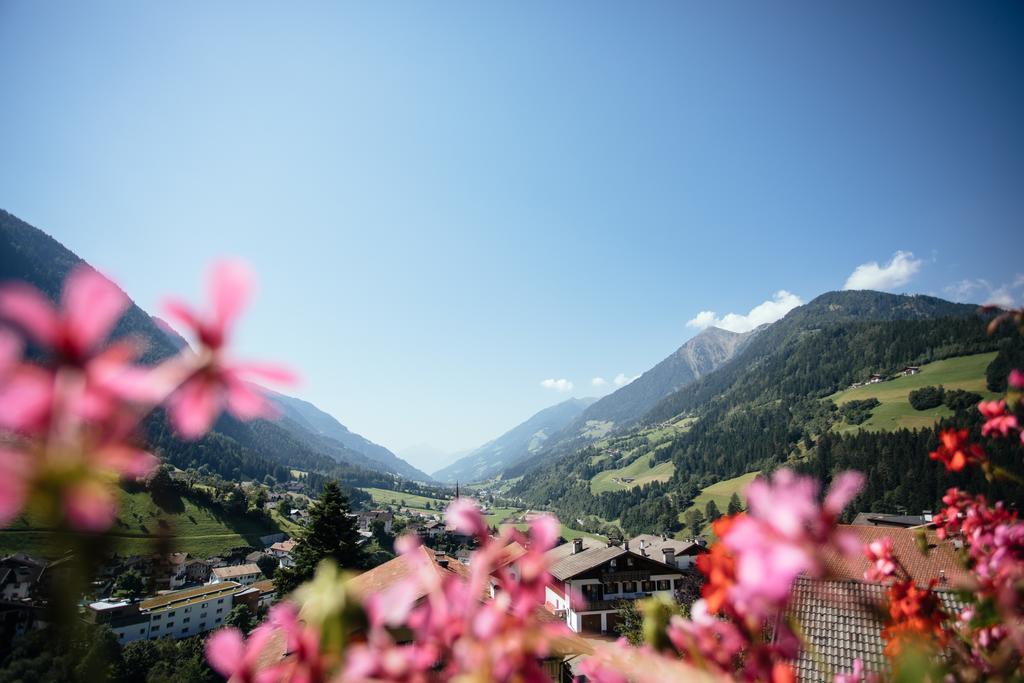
(927, 397)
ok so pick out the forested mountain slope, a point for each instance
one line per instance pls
(513, 446)
(618, 411)
(254, 449)
(767, 407)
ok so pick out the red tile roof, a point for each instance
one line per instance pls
(942, 558)
(383, 577)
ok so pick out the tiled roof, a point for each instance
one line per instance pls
(843, 621)
(940, 561)
(284, 546)
(235, 571)
(384, 576)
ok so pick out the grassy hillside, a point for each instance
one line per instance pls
(194, 528)
(637, 473)
(895, 411)
(411, 500)
(720, 493)
(636, 450)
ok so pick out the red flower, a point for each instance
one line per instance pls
(955, 452)
(915, 614)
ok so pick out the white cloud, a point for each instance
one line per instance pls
(599, 382)
(621, 380)
(765, 312)
(896, 273)
(980, 291)
(560, 385)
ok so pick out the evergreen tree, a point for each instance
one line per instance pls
(711, 511)
(130, 584)
(735, 506)
(695, 520)
(331, 534)
(241, 617)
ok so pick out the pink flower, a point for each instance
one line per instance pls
(1016, 379)
(879, 553)
(464, 516)
(996, 419)
(856, 675)
(218, 384)
(90, 306)
(89, 505)
(14, 485)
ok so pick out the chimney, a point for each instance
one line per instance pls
(942, 576)
(625, 544)
(577, 545)
(442, 561)
(643, 550)
(669, 556)
(927, 514)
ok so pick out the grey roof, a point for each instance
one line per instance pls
(565, 565)
(885, 519)
(843, 621)
(655, 544)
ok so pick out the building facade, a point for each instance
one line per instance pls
(589, 579)
(178, 614)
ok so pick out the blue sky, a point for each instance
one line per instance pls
(448, 204)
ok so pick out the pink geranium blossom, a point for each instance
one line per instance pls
(997, 420)
(883, 562)
(217, 383)
(90, 306)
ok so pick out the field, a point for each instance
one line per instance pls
(412, 501)
(895, 411)
(638, 449)
(195, 529)
(638, 472)
(720, 492)
(496, 516)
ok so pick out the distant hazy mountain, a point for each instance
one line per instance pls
(704, 353)
(305, 437)
(515, 445)
(430, 458)
(319, 422)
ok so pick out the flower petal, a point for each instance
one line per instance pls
(225, 650)
(27, 307)
(246, 401)
(90, 506)
(231, 282)
(92, 305)
(195, 406)
(14, 468)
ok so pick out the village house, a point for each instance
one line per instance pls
(282, 550)
(889, 520)
(842, 617)
(267, 592)
(910, 370)
(177, 614)
(19, 575)
(366, 520)
(243, 574)
(385, 576)
(605, 573)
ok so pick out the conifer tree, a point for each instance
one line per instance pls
(331, 534)
(735, 505)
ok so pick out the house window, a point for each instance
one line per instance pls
(170, 624)
(185, 620)
(647, 586)
(664, 584)
(611, 588)
(220, 601)
(158, 617)
(219, 610)
(629, 586)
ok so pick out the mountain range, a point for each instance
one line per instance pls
(768, 404)
(515, 445)
(305, 437)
